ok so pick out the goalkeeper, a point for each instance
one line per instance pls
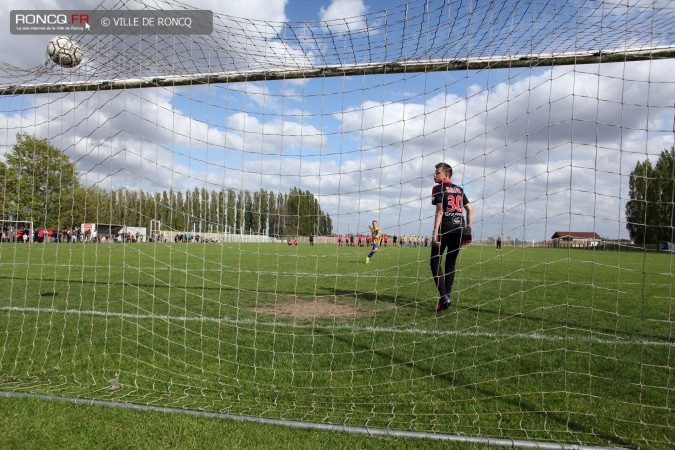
(450, 232)
(376, 235)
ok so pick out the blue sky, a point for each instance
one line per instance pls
(538, 150)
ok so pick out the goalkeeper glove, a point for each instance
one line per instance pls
(466, 236)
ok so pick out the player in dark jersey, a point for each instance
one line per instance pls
(451, 231)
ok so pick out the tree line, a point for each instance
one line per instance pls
(39, 183)
(650, 211)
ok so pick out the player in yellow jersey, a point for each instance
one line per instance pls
(377, 237)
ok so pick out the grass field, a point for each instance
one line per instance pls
(559, 345)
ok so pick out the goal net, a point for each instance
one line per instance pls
(246, 167)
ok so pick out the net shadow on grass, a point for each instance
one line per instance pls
(454, 378)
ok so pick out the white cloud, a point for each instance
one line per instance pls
(542, 152)
(272, 136)
(343, 10)
(532, 160)
(259, 93)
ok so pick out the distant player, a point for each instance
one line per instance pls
(450, 230)
(376, 236)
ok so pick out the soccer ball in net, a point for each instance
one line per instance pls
(64, 51)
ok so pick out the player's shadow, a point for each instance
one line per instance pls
(369, 296)
(105, 282)
(64, 284)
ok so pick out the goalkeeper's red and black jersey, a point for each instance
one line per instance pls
(453, 199)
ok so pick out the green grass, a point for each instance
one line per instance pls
(33, 423)
(545, 344)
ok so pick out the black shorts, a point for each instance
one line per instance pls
(451, 241)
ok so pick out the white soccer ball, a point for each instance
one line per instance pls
(64, 51)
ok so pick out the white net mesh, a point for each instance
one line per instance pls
(170, 263)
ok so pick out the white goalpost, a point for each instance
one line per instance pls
(14, 230)
(258, 156)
